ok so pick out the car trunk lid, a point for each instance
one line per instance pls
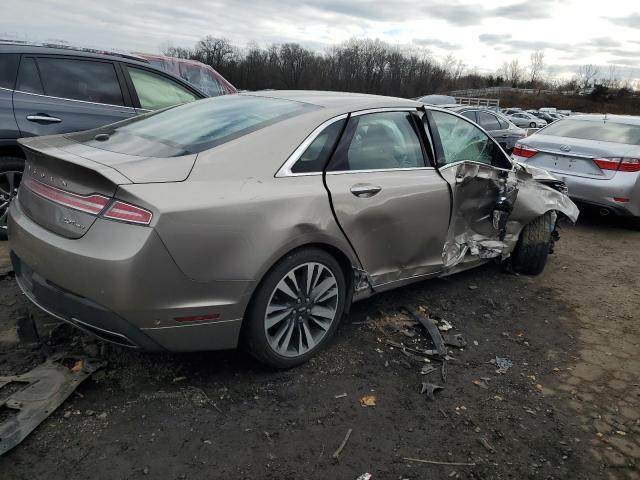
(572, 156)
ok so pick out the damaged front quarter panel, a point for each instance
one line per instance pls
(491, 207)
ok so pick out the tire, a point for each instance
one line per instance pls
(532, 250)
(274, 345)
(8, 166)
(532, 125)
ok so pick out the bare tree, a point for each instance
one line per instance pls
(214, 51)
(587, 73)
(536, 66)
(515, 72)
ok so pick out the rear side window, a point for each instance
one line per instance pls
(316, 156)
(488, 121)
(29, 78)
(378, 141)
(8, 69)
(503, 123)
(600, 130)
(85, 80)
(156, 92)
(193, 127)
(471, 115)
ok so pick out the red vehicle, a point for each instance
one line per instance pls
(198, 74)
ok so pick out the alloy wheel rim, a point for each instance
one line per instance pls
(9, 183)
(301, 309)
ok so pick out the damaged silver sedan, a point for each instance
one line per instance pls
(263, 216)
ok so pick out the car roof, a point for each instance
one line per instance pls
(598, 117)
(343, 101)
(11, 47)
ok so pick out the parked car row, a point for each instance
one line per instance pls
(46, 90)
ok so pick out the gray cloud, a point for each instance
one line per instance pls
(632, 20)
(507, 42)
(436, 42)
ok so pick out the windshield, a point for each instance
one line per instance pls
(192, 127)
(599, 130)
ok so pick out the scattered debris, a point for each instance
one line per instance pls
(473, 287)
(485, 443)
(368, 401)
(196, 396)
(504, 364)
(435, 462)
(342, 395)
(178, 379)
(47, 386)
(445, 326)
(455, 340)
(431, 328)
(364, 476)
(427, 369)
(430, 389)
(337, 453)
(481, 384)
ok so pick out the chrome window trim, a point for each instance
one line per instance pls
(384, 109)
(71, 99)
(285, 169)
(376, 170)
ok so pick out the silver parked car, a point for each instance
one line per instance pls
(597, 156)
(526, 120)
(264, 216)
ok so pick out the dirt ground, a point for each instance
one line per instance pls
(568, 408)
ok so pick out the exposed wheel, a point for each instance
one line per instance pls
(10, 176)
(532, 125)
(532, 250)
(296, 308)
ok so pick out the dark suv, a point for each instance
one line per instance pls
(47, 90)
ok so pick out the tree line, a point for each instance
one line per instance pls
(365, 65)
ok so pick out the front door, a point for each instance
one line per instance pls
(63, 94)
(392, 205)
(483, 185)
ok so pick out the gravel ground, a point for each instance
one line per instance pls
(567, 408)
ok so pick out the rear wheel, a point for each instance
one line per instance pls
(296, 308)
(10, 176)
(532, 250)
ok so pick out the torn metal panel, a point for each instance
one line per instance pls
(432, 329)
(44, 389)
(490, 228)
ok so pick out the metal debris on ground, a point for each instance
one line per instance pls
(435, 462)
(341, 395)
(481, 384)
(430, 389)
(485, 443)
(427, 369)
(503, 364)
(45, 388)
(337, 453)
(368, 401)
(455, 340)
(445, 326)
(364, 476)
(432, 330)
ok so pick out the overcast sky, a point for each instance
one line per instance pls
(481, 33)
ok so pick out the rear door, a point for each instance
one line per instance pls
(388, 198)
(483, 184)
(60, 94)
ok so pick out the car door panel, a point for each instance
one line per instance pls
(39, 112)
(483, 191)
(393, 209)
(399, 231)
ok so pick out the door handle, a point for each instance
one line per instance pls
(365, 190)
(43, 118)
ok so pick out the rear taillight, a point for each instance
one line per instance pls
(618, 164)
(93, 203)
(525, 152)
(126, 212)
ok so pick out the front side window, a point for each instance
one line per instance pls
(488, 121)
(85, 80)
(317, 154)
(156, 92)
(377, 141)
(29, 78)
(462, 141)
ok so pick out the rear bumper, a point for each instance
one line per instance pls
(119, 282)
(603, 193)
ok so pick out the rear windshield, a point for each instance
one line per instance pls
(600, 130)
(193, 127)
